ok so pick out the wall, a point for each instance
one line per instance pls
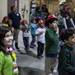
(52, 5)
(3, 9)
(24, 4)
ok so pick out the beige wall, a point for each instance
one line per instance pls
(53, 6)
(3, 9)
(73, 1)
(25, 3)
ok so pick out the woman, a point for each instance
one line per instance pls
(6, 62)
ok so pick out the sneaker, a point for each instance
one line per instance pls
(50, 74)
(39, 57)
(54, 71)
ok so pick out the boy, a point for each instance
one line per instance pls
(52, 45)
(33, 27)
(66, 59)
(40, 33)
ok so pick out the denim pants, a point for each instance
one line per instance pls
(33, 40)
(26, 43)
(40, 49)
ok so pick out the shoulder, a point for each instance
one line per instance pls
(1, 53)
(49, 30)
(1, 56)
(64, 49)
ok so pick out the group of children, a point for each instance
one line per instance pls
(47, 39)
(37, 31)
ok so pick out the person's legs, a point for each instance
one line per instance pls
(47, 66)
(26, 43)
(40, 49)
(33, 42)
(53, 63)
(50, 64)
(16, 32)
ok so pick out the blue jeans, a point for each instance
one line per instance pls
(26, 43)
(33, 41)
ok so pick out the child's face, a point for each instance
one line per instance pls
(41, 22)
(54, 25)
(8, 39)
(71, 40)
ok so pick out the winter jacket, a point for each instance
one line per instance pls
(15, 17)
(66, 60)
(6, 64)
(33, 28)
(52, 43)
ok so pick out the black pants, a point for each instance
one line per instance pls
(33, 41)
(40, 49)
(26, 43)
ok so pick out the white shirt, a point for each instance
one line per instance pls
(41, 37)
(26, 32)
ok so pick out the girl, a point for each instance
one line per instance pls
(6, 51)
(25, 29)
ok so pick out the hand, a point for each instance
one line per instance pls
(41, 32)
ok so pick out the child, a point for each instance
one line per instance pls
(52, 45)
(6, 21)
(33, 28)
(6, 52)
(40, 33)
(25, 29)
(66, 63)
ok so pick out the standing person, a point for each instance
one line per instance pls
(25, 29)
(33, 28)
(6, 62)
(52, 42)
(44, 11)
(15, 17)
(66, 60)
(40, 33)
(5, 20)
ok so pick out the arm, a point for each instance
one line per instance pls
(1, 62)
(38, 32)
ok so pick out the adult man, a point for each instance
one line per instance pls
(15, 17)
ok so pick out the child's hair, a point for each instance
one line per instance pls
(7, 21)
(3, 31)
(23, 22)
(66, 34)
(4, 20)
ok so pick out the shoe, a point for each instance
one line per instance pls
(31, 46)
(39, 57)
(50, 74)
(54, 71)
